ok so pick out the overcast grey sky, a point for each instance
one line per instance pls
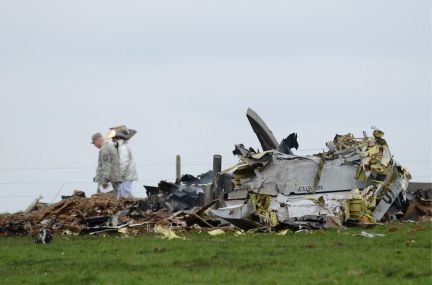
(183, 74)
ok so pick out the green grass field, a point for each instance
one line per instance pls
(403, 256)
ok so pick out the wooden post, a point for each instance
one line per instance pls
(207, 194)
(217, 168)
(178, 169)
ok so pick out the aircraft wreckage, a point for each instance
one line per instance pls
(355, 181)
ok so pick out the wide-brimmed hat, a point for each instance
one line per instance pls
(123, 132)
(110, 135)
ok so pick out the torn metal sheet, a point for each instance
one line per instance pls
(288, 143)
(311, 205)
(264, 134)
(295, 175)
(397, 187)
(236, 195)
(237, 215)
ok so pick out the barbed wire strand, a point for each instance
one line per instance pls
(151, 165)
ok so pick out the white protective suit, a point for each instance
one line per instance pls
(127, 168)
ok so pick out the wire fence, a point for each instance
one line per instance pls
(154, 165)
(93, 167)
(142, 165)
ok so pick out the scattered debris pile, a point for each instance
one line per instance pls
(187, 193)
(100, 213)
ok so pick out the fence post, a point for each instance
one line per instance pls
(217, 168)
(178, 169)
